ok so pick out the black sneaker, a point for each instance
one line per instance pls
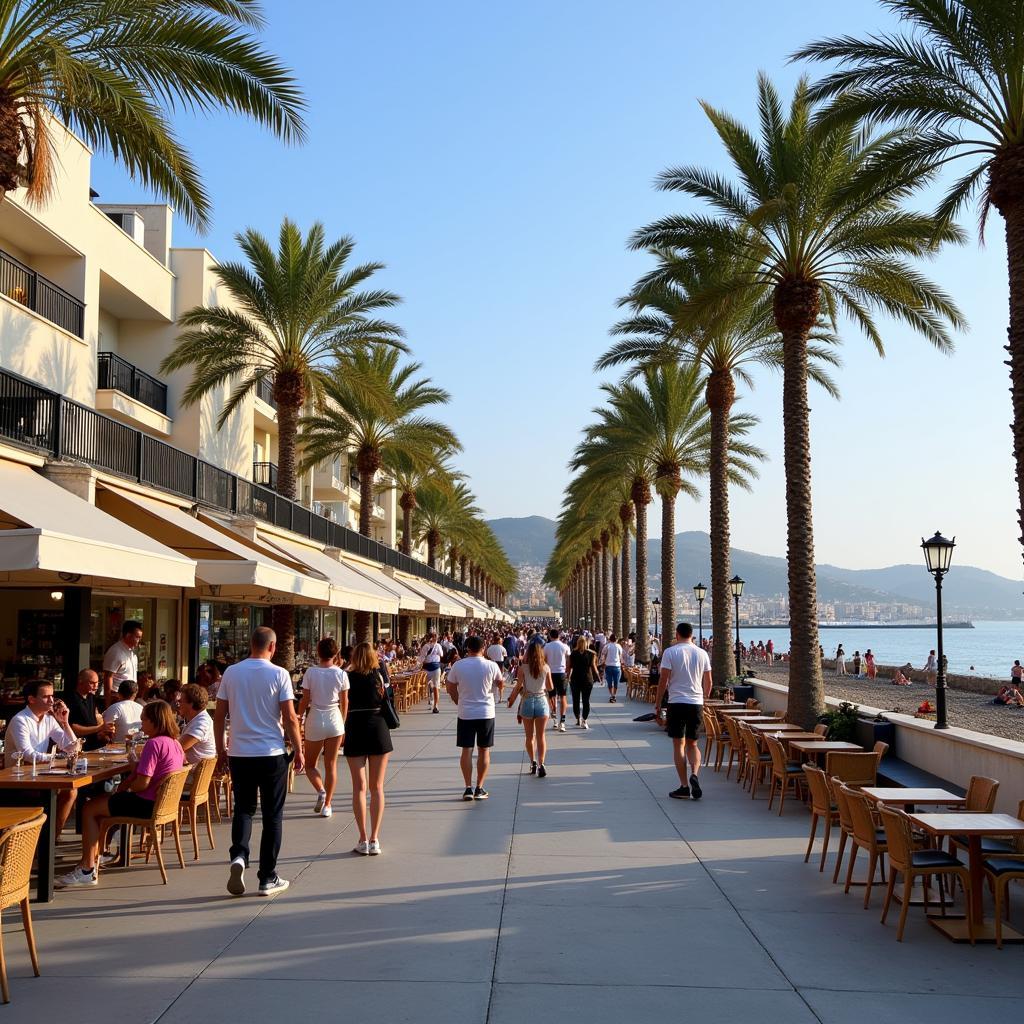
(533, 767)
(682, 793)
(480, 794)
(436, 711)
(467, 793)
(695, 791)
(542, 772)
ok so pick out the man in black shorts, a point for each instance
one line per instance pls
(471, 683)
(686, 677)
(556, 654)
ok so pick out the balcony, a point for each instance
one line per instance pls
(265, 392)
(42, 296)
(265, 474)
(118, 374)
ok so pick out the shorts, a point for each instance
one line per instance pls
(433, 678)
(612, 675)
(534, 706)
(558, 678)
(684, 719)
(323, 724)
(129, 805)
(474, 732)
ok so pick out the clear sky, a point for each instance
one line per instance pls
(498, 155)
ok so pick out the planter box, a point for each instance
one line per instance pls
(743, 692)
(869, 732)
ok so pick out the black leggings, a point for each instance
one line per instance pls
(581, 690)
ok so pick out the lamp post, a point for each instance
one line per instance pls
(656, 605)
(938, 556)
(736, 586)
(700, 592)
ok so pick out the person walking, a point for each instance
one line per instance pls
(611, 660)
(533, 681)
(324, 704)
(367, 744)
(869, 664)
(258, 696)
(840, 661)
(471, 684)
(856, 664)
(686, 678)
(583, 674)
(556, 654)
(121, 660)
(430, 656)
(931, 668)
(1016, 674)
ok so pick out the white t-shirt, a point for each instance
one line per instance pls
(475, 679)
(254, 690)
(325, 686)
(555, 654)
(126, 716)
(497, 652)
(430, 654)
(687, 662)
(201, 727)
(611, 654)
(122, 661)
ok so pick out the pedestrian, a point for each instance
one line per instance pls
(556, 654)
(583, 674)
(325, 705)
(121, 660)
(533, 681)
(840, 661)
(611, 660)
(869, 664)
(686, 680)
(367, 744)
(931, 667)
(1016, 674)
(856, 664)
(258, 696)
(430, 656)
(471, 684)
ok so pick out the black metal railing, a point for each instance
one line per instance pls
(22, 284)
(265, 474)
(117, 373)
(353, 478)
(265, 391)
(41, 419)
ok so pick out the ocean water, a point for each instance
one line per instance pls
(990, 647)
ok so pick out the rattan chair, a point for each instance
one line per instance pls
(737, 748)
(165, 813)
(821, 729)
(851, 767)
(845, 823)
(822, 809)
(757, 764)
(752, 702)
(1000, 872)
(722, 738)
(199, 796)
(17, 848)
(220, 785)
(911, 863)
(785, 774)
(981, 799)
(866, 835)
(881, 748)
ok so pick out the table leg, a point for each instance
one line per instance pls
(977, 880)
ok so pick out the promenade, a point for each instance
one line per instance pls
(584, 897)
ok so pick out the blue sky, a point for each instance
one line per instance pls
(497, 156)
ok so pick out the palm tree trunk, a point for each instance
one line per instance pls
(626, 515)
(641, 494)
(616, 612)
(720, 395)
(605, 613)
(364, 620)
(11, 143)
(463, 562)
(796, 311)
(289, 395)
(407, 502)
(668, 568)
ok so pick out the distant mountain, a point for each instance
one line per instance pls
(966, 590)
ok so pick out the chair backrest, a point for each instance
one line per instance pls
(710, 722)
(880, 748)
(853, 768)
(778, 752)
(202, 776)
(753, 702)
(860, 816)
(817, 783)
(981, 795)
(168, 796)
(750, 742)
(17, 848)
(821, 729)
(842, 804)
(733, 729)
(899, 837)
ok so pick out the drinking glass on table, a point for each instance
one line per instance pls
(19, 760)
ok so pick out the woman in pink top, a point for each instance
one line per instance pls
(134, 798)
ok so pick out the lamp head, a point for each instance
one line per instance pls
(736, 586)
(699, 591)
(938, 553)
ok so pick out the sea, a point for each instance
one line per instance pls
(988, 650)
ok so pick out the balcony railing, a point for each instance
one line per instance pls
(265, 474)
(265, 391)
(63, 429)
(119, 374)
(41, 295)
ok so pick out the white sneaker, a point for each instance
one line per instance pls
(362, 847)
(77, 878)
(326, 811)
(561, 726)
(585, 726)
(236, 877)
(321, 797)
(375, 849)
(106, 859)
(273, 887)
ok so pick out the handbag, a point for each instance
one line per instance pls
(387, 708)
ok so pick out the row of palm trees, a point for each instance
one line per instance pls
(811, 232)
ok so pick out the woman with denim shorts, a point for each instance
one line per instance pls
(533, 681)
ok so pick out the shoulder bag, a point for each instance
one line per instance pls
(387, 708)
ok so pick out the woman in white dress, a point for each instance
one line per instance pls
(840, 661)
(325, 705)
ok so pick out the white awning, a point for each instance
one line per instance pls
(227, 566)
(408, 599)
(48, 535)
(351, 587)
(438, 602)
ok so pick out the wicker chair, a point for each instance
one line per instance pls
(17, 848)
(785, 774)
(753, 703)
(855, 769)
(757, 764)
(867, 836)
(1000, 872)
(713, 737)
(199, 796)
(736, 748)
(165, 813)
(981, 799)
(911, 863)
(220, 785)
(845, 823)
(822, 809)
(821, 729)
(881, 748)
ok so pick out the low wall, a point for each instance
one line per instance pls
(953, 754)
(972, 684)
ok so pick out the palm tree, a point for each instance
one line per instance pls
(297, 310)
(444, 506)
(954, 74)
(409, 475)
(816, 222)
(114, 71)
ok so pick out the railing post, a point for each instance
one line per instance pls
(233, 499)
(195, 477)
(140, 442)
(56, 415)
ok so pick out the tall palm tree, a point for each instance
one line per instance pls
(296, 310)
(816, 216)
(409, 475)
(954, 73)
(114, 72)
(443, 507)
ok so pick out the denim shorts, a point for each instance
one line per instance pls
(534, 706)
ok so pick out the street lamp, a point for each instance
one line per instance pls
(938, 556)
(700, 592)
(736, 586)
(656, 604)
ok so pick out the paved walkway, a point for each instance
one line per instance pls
(584, 897)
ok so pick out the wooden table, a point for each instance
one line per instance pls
(973, 826)
(814, 748)
(11, 816)
(740, 712)
(769, 727)
(28, 790)
(910, 797)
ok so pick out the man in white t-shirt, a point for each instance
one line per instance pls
(556, 654)
(122, 660)
(258, 696)
(125, 714)
(471, 683)
(611, 660)
(430, 657)
(686, 676)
